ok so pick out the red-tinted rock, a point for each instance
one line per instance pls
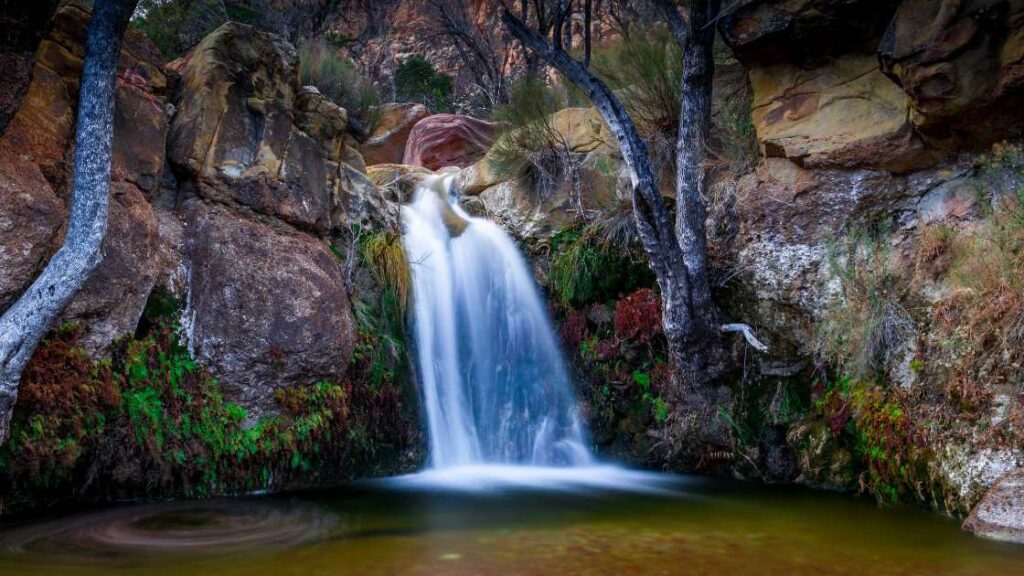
(448, 140)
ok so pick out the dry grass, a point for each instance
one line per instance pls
(385, 256)
(862, 333)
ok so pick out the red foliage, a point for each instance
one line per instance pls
(573, 329)
(638, 316)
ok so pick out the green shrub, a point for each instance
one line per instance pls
(529, 149)
(647, 69)
(337, 78)
(585, 270)
(416, 80)
(175, 26)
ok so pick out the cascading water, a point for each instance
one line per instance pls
(495, 386)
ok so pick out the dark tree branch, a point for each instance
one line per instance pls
(691, 152)
(27, 321)
(654, 221)
(670, 12)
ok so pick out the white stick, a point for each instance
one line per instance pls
(748, 334)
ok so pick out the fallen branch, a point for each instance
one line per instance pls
(748, 334)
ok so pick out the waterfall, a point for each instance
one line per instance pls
(495, 386)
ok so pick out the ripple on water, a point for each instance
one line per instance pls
(213, 527)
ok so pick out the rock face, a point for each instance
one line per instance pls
(961, 64)
(386, 145)
(24, 24)
(227, 203)
(272, 167)
(37, 153)
(267, 306)
(1000, 514)
(30, 215)
(444, 140)
(845, 113)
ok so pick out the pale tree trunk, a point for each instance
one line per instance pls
(677, 249)
(31, 316)
(654, 220)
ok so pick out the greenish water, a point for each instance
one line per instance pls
(702, 527)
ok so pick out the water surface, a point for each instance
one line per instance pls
(418, 526)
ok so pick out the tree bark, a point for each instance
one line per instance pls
(31, 316)
(691, 152)
(654, 221)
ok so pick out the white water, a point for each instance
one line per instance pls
(495, 386)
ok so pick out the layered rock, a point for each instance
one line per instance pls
(444, 140)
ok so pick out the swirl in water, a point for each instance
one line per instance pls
(215, 527)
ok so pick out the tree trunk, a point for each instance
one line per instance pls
(654, 221)
(30, 317)
(691, 152)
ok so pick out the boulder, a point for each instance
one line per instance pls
(112, 299)
(233, 133)
(844, 113)
(445, 140)
(397, 180)
(1000, 514)
(386, 144)
(267, 306)
(962, 65)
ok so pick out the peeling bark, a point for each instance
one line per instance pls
(31, 316)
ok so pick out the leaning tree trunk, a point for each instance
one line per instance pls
(25, 322)
(654, 220)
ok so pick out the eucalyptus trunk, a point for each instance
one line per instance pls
(24, 324)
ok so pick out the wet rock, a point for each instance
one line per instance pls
(445, 140)
(386, 144)
(1000, 514)
(267, 306)
(822, 460)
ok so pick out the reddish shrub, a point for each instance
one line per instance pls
(638, 316)
(573, 328)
